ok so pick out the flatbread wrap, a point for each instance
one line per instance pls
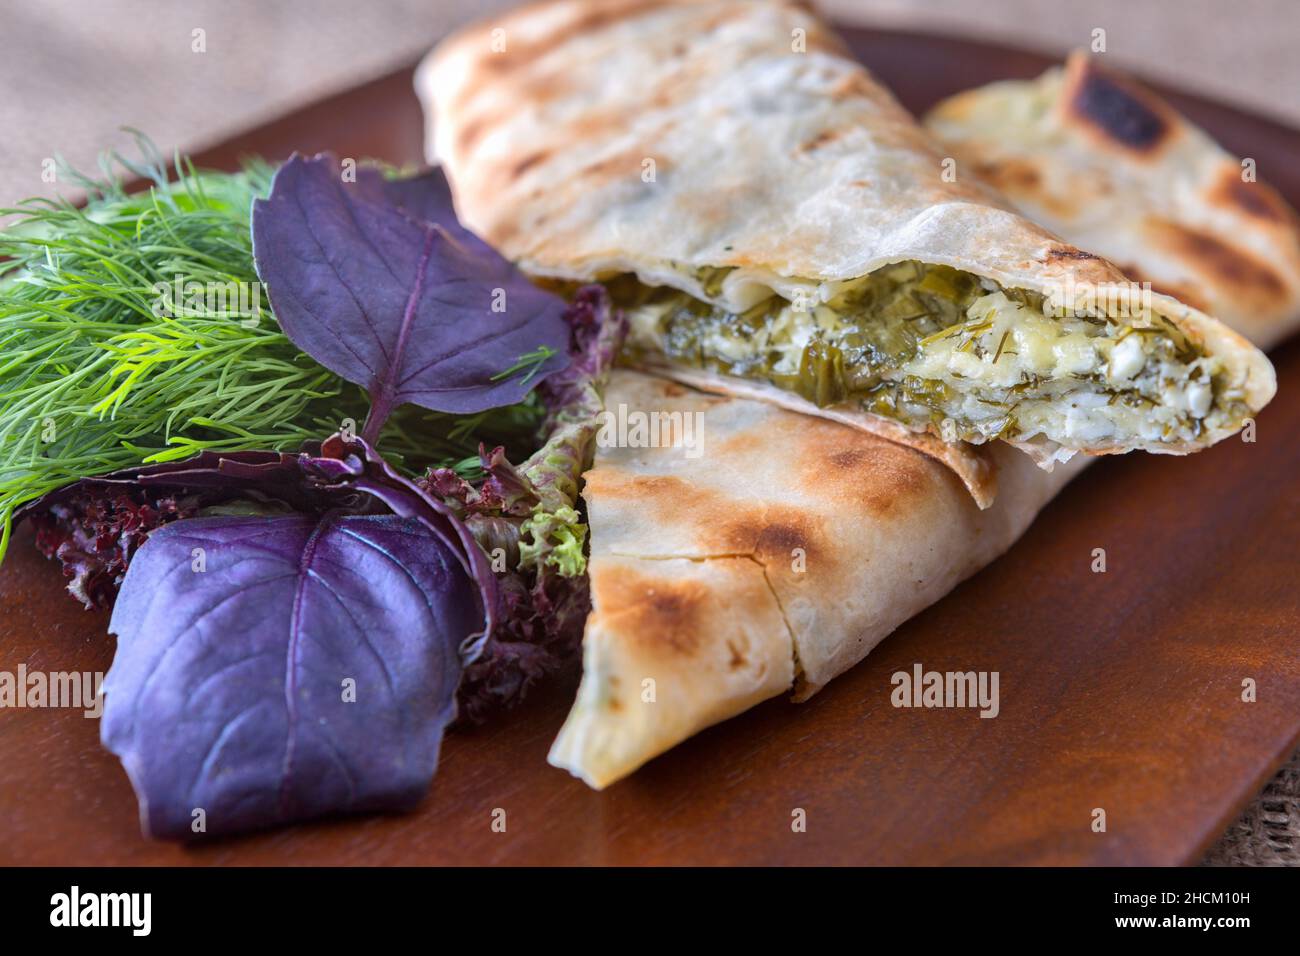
(777, 226)
(768, 559)
(662, 563)
(1096, 157)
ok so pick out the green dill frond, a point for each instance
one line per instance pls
(106, 363)
(530, 363)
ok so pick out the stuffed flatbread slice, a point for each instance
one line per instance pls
(769, 557)
(1096, 157)
(777, 226)
(665, 524)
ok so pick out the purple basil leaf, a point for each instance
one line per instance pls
(230, 689)
(426, 196)
(206, 469)
(401, 306)
(369, 473)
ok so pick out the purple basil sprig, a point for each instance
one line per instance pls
(292, 629)
(365, 281)
(273, 669)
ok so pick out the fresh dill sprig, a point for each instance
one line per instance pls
(530, 362)
(107, 362)
(415, 434)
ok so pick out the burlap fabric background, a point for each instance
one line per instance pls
(75, 71)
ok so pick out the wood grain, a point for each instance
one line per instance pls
(1119, 690)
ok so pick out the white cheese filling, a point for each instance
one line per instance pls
(1090, 386)
(1004, 370)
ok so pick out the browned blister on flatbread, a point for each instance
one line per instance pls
(1118, 114)
(1100, 159)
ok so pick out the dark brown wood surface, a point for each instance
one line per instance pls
(1119, 691)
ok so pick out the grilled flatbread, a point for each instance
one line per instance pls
(777, 226)
(1098, 158)
(770, 556)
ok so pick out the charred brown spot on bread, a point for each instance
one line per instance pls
(671, 612)
(849, 458)
(891, 490)
(781, 538)
(1059, 253)
(1183, 292)
(627, 164)
(1223, 263)
(1080, 267)
(1255, 199)
(869, 474)
(767, 533)
(744, 445)
(592, 19)
(1132, 272)
(738, 659)
(855, 83)
(664, 612)
(471, 133)
(662, 485)
(669, 501)
(823, 138)
(1124, 113)
(527, 163)
(1011, 175)
(651, 490)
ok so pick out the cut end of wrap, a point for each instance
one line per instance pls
(580, 750)
(673, 645)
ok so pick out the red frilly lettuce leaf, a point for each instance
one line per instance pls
(529, 515)
(410, 309)
(95, 534)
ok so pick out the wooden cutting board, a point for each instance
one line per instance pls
(1120, 691)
